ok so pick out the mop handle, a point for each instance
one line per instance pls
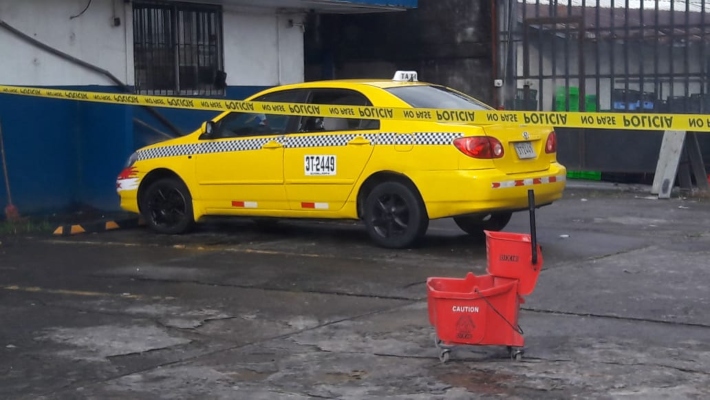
(4, 167)
(533, 231)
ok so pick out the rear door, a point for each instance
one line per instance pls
(325, 159)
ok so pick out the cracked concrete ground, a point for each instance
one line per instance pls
(313, 310)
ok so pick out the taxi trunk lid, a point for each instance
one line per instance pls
(524, 148)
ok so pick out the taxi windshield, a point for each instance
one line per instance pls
(431, 96)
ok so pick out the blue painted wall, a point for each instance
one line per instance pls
(62, 154)
(40, 138)
(186, 121)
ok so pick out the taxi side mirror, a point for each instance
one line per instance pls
(208, 129)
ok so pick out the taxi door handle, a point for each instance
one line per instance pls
(359, 141)
(272, 144)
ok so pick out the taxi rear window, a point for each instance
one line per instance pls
(430, 96)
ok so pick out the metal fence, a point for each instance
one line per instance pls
(604, 55)
(178, 48)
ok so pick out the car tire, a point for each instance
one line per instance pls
(395, 216)
(475, 224)
(166, 207)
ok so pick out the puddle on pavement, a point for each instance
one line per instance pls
(99, 343)
(248, 375)
(475, 381)
(342, 377)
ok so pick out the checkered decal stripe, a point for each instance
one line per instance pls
(318, 141)
(376, 139)
(233, 145)
(436, 139)
(381, 139)
(404, 140)
(167, 151)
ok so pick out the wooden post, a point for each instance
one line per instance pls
(667, 167)
(697, 166)
(669, 164)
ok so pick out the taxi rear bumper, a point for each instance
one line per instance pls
(461, 192)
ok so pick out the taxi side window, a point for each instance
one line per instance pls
(239, 124)
(329, 124)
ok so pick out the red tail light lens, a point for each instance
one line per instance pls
(551, 145)
(480, 146)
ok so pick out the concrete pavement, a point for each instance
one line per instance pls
(313, 310)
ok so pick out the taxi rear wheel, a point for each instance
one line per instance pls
(166, 206)
(475, 225)
(395, 216)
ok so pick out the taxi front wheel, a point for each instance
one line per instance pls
(166, 206)
(475, 225)
(395, 216)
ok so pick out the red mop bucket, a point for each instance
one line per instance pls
(510, 255)
(483, 310)
(476, 310)
(516, 255)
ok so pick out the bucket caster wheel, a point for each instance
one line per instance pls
(516, 354)
(445, 355)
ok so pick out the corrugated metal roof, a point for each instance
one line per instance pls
(692, 5)
(334, 6)
(614, 23)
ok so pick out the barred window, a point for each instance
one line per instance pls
(178, 48)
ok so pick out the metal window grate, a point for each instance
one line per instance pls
(178, 49)
(605, 55)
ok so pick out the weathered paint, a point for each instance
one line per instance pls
(90, 38)
(445, 41)
(261, 48)
(62, 153)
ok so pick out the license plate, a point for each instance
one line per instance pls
(320, 165)
(525, 150)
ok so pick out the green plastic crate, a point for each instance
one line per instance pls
(586, 175)
(561, 94)
(592, 175)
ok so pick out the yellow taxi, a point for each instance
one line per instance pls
(393, 175)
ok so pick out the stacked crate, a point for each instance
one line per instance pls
(570, 96)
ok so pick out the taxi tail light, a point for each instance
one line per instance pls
(480, 146)
(551, 145)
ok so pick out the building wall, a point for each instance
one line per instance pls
(261, 49)
(446, 41)
(62, 153)
(90, 37)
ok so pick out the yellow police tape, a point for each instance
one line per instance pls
(644, 121)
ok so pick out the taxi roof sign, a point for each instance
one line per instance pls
(406, 76)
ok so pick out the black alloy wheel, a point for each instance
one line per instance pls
(166, 207)
(395, 216)
(475, 224)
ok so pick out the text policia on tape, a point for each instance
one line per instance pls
(631, 121)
